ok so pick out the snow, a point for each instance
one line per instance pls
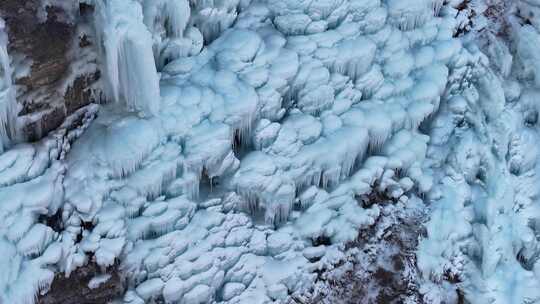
(32, 187)
(231, 290)
(96, 281)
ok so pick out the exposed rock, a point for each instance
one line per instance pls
(76, 289)
(52, 88)
(380, 266)
(80, 92)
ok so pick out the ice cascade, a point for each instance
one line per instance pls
(126, 46)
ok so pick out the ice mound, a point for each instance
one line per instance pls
(32, 190)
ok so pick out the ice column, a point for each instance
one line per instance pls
(128, 60)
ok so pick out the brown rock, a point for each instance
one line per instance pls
(75, 288)
(46, 44)
(80, 93)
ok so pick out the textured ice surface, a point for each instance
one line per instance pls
(32, 177)
(482, 231)
(240, 170)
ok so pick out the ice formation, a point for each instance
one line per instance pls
(130, 71)
(251, 142)
(7, 93)
(483, 141)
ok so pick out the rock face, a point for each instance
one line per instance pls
(49, 41)
(77, 287)
(381, 264)
(46, 44)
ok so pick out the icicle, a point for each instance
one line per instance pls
(282, 213)
(310, 179)
(251, 202)
(193, 185)
(178, 13)
(131, 73)
(156, 178)
(370, 82)
(7, 93)
(330, 177)
(171, 15)
(45, 281)
(277, 213)
(436, 6)
(418, 112)
(348, 164)
(355, 57)
(379, 134)
(212, 21)
(408, 15)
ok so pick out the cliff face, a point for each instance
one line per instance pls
(85, 286)
(49, 42)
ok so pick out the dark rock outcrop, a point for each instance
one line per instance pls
(57, 47)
